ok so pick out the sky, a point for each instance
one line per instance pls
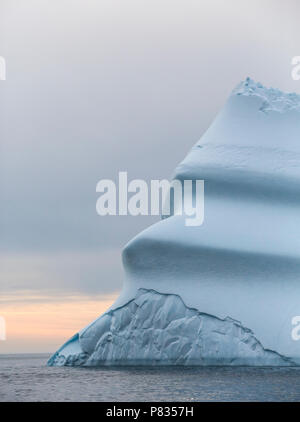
(95, 87)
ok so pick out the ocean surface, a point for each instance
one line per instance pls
(27, 378)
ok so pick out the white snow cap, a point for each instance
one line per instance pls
(273, 99)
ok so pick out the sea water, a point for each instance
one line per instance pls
(27, 378)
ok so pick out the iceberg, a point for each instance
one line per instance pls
(226, 292)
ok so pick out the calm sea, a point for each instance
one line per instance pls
(27, 378)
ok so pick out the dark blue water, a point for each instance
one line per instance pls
(26, 378)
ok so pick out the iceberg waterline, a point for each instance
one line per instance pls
(187, 288)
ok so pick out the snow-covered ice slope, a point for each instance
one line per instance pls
(224, 292)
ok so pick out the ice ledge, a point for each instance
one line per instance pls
(159, 329)
(272, 99)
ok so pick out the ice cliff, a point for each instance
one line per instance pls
(158, 329)
(223, 293)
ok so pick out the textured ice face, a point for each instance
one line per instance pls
(159, 329)
(183, 283)
(273, 99)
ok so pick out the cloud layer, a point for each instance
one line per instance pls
(94, 88)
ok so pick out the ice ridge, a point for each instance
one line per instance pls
(159, 329)
(272, 99)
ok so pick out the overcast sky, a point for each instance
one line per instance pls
(98, 87)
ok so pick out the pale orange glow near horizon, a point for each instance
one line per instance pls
(35, 327)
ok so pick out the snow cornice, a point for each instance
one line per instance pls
(272, 99)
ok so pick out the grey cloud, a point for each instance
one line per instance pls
(96, 87)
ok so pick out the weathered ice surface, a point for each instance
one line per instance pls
(185, 288)
(158, 329)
